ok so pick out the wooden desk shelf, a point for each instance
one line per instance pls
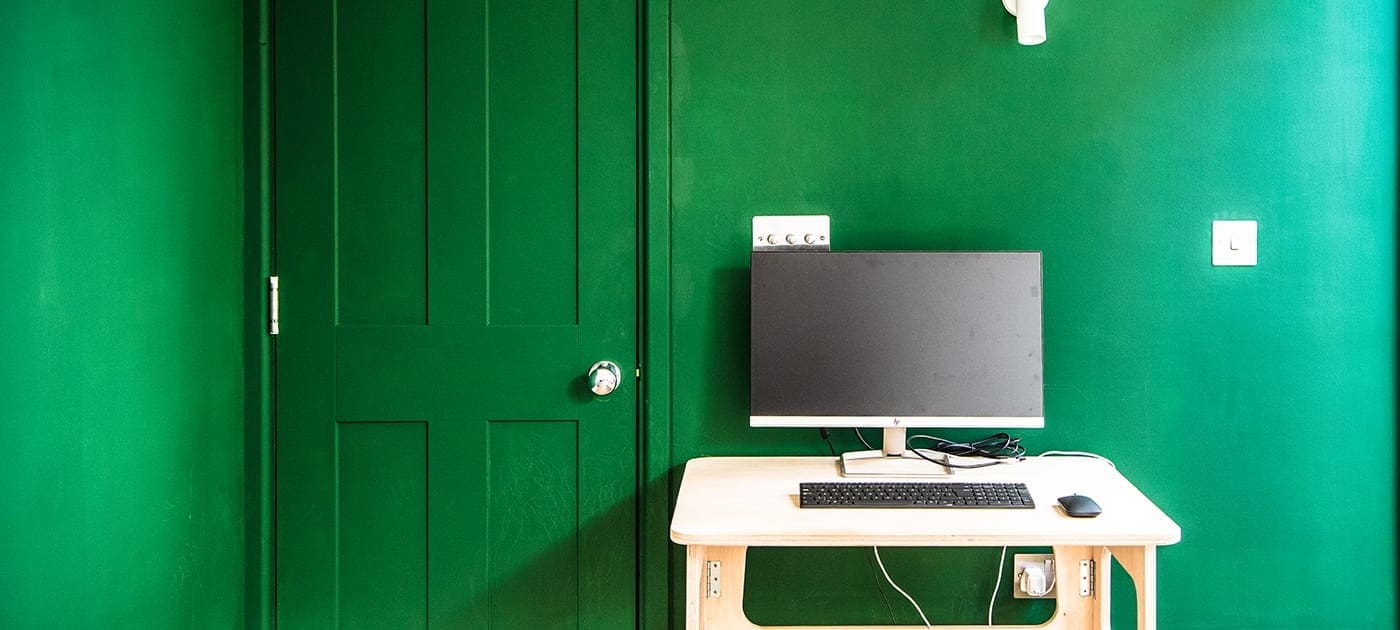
(728, 504)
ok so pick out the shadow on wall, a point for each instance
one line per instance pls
(725, 392)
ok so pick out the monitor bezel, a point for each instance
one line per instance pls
(916, 422)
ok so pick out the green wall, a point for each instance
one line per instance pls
(121, 327)
(917, 125)
(1256, 406)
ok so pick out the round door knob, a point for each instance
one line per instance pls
(604, 377)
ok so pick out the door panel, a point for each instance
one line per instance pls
(380, 148)
(532, 87)
(383, 524)
(534, 544)
(456, 238)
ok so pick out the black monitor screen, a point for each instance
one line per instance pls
(931, 338)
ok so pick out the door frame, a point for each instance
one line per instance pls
(656, 556)
(259, 351)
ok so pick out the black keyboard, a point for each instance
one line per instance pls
(918, 494)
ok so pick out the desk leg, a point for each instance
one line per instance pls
(725, 611)
(1141, 564)
(1073, 610)
(694, 575)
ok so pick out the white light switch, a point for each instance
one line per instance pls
(1234, 243)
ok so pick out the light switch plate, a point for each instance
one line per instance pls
(1234, 243)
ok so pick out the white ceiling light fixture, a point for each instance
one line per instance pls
(1030, 20)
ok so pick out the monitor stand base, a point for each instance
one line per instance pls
(877, 464)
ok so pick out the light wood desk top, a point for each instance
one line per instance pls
(752, 501)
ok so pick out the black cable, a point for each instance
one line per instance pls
(826, 435)
(995, 446)
(950, 464)
(998, 447)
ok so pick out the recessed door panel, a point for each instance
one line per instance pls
(379, 152)
(533, 528)
(533, 182)
(382, 527)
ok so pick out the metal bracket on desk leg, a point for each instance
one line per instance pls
(712, 579)
(1086, 578)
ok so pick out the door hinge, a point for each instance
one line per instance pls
(272, 305)
(712, 578)
(1087, 577)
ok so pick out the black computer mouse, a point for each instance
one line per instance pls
(1080, 506)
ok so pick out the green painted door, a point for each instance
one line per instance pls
(456, 188)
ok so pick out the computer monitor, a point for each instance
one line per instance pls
(896, 340)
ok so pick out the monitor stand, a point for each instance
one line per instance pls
(894, 460)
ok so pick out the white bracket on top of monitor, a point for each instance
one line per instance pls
(792, 233)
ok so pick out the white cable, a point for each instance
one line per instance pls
(1001, 566)
(901, 591)
(1078, 454)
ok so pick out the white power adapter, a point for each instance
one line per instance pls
(1034, 574)
(1035, 582)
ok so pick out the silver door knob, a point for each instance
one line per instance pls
(604, 377)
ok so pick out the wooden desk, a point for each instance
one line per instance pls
(728, 504)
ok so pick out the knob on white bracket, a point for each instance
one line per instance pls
(792, 233)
